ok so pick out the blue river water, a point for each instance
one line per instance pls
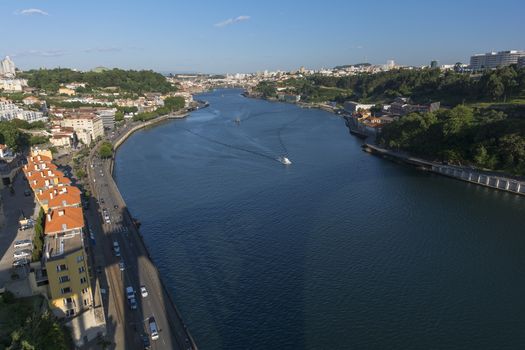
(339, 250)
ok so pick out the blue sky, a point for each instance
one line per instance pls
(250, 35)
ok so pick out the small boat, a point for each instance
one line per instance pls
(237, 120)
(284, 160)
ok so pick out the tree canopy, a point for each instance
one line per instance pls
(126, 80)
(485, 138)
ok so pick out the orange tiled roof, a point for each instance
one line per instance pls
(44, 174)
(64, 219)
(38, 159)
(57, 197)
(49, 182)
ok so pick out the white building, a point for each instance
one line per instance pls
(12, 85)
(108, 117)
(10, 111)
(352, 107)
(493, 60)
(87, 126)
(7, 68)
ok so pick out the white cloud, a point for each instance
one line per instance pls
(40, 53)
(29, 12)
(103, 49)
(232, 21)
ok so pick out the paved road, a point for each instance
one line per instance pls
(125, 325)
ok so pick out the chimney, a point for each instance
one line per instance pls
(61, 213)
(48, 217)
(51, 195)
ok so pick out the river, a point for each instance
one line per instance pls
(339, 250)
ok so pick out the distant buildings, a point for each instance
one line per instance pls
(10, 111)
(401, 107)
(354, 107)
(493, 60)
(434, 64)
(8, 82)
(108, 117)
(521, 62)
(85, 122)
(7, 68)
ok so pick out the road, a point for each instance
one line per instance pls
(125, 326)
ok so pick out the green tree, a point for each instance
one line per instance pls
(105, 150)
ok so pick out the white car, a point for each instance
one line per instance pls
(19, 254)
(23, 243)
(143, 291)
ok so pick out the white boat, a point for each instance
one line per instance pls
(284, 160)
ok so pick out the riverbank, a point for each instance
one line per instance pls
(492, 180)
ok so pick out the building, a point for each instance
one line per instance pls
(108, 117)
(353, 107)
(434, 64)
(521, 62)
(40, 154)
(10, 111)
(492, 60)
(31, 100)
(401, 106)
(87, 126)
(58, 197)
(67, 271)
(7, 68)
(5, 152)
(13, 85)
(63, 137)
(66, 91)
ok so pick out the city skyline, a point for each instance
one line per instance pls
(243, 37)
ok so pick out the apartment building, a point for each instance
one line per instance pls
(88, 126)
(493, 60)
(66, 261)
(58, 197)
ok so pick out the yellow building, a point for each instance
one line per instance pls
(36, 151)
(66, 91)
(67, 272)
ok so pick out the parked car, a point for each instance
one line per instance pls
(27, 193)
(116, 248)
(20, 262)
(145, 341)
(143, 291)
(20, 254)
(153, 328)
(132, 303)
(121, 265)
(23, 243)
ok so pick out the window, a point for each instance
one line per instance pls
(83, 280)
(81, 269)
(80, 258)
(86, 302)
(70, 312)
(65, 290)
(63, 279)
(62, 267)
(84, 290)
(68, 301)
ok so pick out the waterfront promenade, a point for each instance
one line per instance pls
(127, 327)
(475, 176)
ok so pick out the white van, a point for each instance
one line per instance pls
(153, 328)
